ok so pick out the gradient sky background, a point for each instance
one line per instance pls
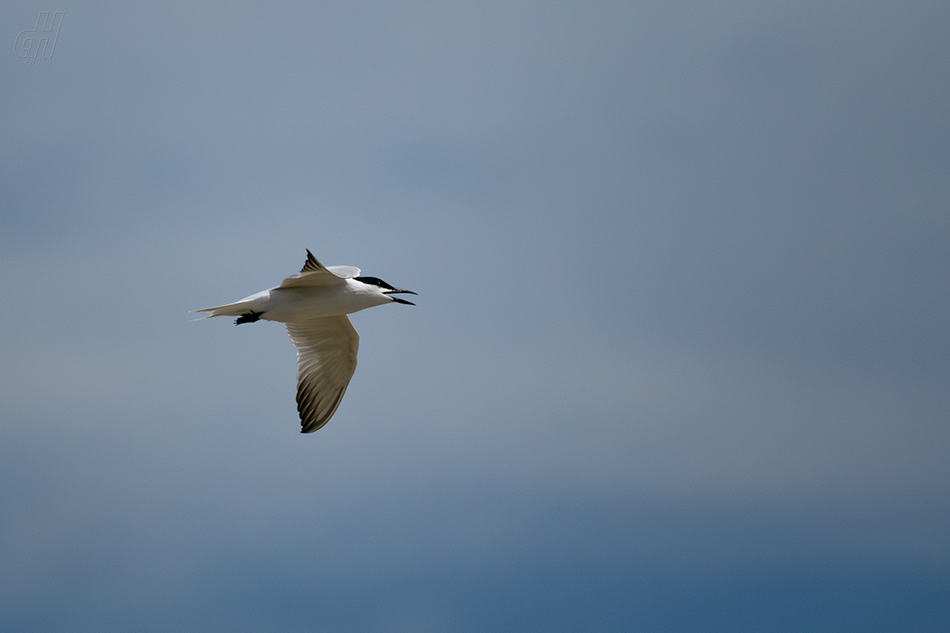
(680, 359)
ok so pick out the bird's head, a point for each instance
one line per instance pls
(386, 289)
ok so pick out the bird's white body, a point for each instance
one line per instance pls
(297, 304)
(313, 304)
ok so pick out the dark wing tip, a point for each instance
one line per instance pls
(312, 264)
(311, 426)
(309, 406)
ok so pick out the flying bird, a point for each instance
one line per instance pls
(313, 304)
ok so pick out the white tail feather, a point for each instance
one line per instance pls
(231, 309)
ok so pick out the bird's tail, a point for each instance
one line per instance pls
(230, 309)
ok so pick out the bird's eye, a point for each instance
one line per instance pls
(374, 281)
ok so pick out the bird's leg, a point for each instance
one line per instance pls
(250, 317)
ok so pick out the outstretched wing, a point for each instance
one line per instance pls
(314, 273)
(326, 360)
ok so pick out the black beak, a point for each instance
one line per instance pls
(397, 299)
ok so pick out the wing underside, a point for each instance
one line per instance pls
(326, 360)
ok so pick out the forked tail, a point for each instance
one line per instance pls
(237, 308)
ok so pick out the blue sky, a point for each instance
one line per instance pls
(681, 350)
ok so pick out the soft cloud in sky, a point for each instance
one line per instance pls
(681, 350)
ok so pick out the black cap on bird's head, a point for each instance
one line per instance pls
(387, 289)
